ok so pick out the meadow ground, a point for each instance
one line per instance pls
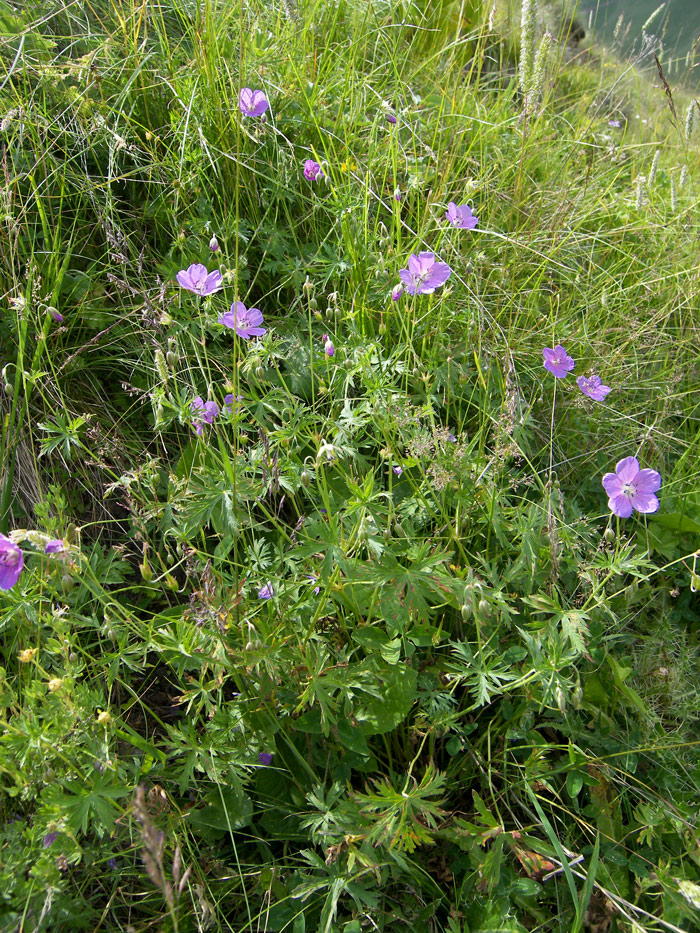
(319, 611)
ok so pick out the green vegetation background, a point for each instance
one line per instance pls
(494, 677)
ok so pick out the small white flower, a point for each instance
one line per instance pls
(325, 450)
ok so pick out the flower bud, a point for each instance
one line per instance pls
(9, 390)
(609, 535)
(484, 608)
(466, 611)
(171, 359)
(214, 244)
(146, 572)
(313, 304)
(103, 717)
(561, 699)
(260, 372)
(67, 583)
(328, 345)
(396, 292)
(305, 479)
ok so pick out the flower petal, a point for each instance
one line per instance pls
(612, 484)
(621, 506)
(645, 502)
(415, 266)
(627, 469)
(213, 282)
(438, 275)
(647, 481)
(228, 319)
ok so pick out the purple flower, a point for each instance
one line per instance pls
(424, 274)
(328, 345)
(49, 839)
(265, 758)
(397, 194)
(461, 216)
(630, 488)
(214, 244)
(615, 123)
(230, 401)
(396, 292)
(245, 321)
(196, 279)
(314, 578)
(54, 547)
(206, 411)
(557, 361)
(112, 862)
(11, 562)
(391, 117)
(398, 470)
(252, 103)
(266, 591)
(593, 387)
(451, 438)
(56, 315)
(312, 170)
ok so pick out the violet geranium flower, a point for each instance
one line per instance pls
(593, 387)
(630, 488)
(196, 279)
(424, 274)
(245, 321)
(265, 758)
(461, 216)
(56, 546)
(557, 361)
(328, 345)
(252, 103)
(205, 412)
(266, 592)
(312, 170)
(11, 562)
(230, 401)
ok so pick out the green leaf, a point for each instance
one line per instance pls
(398, 692)
(574, 783)
(676, 521)
(225, 809)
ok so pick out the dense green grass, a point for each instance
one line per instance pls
(470, 673)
